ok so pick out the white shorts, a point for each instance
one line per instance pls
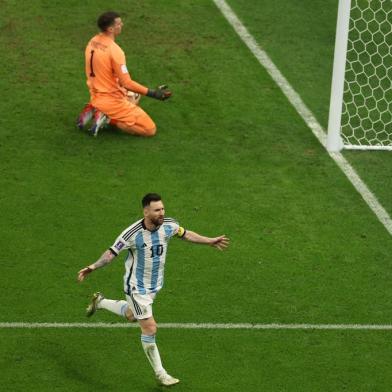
(141, 304)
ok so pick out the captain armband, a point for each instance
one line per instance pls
(181, 232)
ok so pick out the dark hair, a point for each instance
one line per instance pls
(147, 199)
(107, 19)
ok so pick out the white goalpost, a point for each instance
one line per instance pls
(360, 113)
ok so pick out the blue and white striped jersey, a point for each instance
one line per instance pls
(145, 262)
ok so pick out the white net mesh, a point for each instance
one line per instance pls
(367, 100)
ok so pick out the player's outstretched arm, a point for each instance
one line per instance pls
(221, 242)
(161, 92)
(105, 259)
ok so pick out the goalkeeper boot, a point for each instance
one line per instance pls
(93, 306)
(100, 120)
(166, 379)
(85, 116)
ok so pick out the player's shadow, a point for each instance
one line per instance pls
(72, 368)
(162, 388)
(109, 130)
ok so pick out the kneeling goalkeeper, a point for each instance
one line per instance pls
(109, 81)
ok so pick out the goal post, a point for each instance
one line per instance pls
(334, 140)
(360, 113)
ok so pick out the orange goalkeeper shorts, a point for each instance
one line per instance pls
(120, 109)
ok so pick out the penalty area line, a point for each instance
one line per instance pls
(274, 326)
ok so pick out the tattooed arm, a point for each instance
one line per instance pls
(106, 258)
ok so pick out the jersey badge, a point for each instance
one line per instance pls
(119, 245)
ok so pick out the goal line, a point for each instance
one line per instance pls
(246, 326)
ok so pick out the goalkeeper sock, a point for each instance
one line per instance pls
(152, 353)
(117, 307)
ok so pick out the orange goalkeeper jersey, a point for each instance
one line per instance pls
(106, 68)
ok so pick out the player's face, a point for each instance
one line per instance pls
(117, 26)
(155, 212)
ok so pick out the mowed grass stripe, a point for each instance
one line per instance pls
(379, 327)
(304, 112)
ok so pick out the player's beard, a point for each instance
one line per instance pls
(157, 221)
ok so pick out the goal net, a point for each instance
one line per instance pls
(362, 79)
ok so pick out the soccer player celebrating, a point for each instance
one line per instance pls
(109, 81)
(146, 241)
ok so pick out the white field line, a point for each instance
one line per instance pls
(304, 112)
(386, 327)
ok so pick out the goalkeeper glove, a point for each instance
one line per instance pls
(162, 93)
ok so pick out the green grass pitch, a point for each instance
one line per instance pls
(231, 156)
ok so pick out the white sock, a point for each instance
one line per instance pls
(117, 307)
(152, 353)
